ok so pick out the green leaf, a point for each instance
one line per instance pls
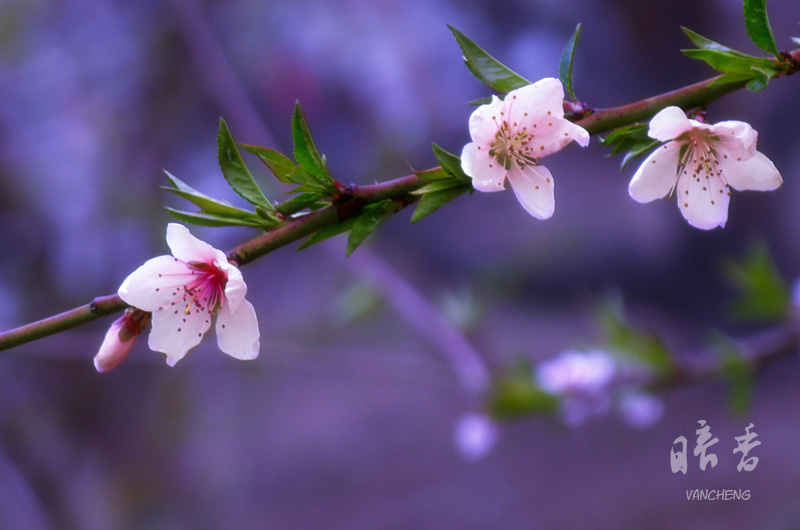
(763, 294)
(432, 201)
(368, 221)
(307, 181)
(737, 371)
(628, 341)
(732, 78)
(312, 200)
(207, 204)
(761, 78)
(708, 44)
(730, 62)
(567, 58)
(632, 140)
(235, 171)
(305, 151)
(438, 185)
(516, 394)
(450, 163)
(487, 68)
(280, 164)
(205, 219)
(637, 151)
(436, 173)
(758, 27)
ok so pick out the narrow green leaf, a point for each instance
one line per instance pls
(487, 68)
(637, 151)
(213, 206)
(235, 171)
(732, 78)
(309, 182)
(312, 200)
(368, 221)
(633, 140)
(516, 394)
(431, 202)
(205, 219)
(637, 130)
(437, 185)
(628, 341)
(758, 27)
(763, 294)
(305, 151)
(567, 58)
(708, 44)
(761, 78)
(436, 173)
(280, 164)
(730, 62)
(737, 371)
(450, 163)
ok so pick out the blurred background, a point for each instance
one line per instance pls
(348, 417)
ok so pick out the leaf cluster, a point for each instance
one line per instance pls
(737, 67)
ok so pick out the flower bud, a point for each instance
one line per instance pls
(120, 339)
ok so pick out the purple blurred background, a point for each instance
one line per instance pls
(347, 418)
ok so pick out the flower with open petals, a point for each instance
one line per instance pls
(511, 135)
(184, 290)
(700, 163)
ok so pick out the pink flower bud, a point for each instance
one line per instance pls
(120, 339)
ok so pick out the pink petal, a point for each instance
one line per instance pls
(235, 288)
(657, 175)
(741, 131)
(668, 124)
(534, 188)
(485, 122)
(153, 284)
(534, 102)
(237, 332)
(188, 248)
(475, 435)
(553, 134)
(703, 201)
(175, 332)
(756, 173)
(486, 173)
(113, 350)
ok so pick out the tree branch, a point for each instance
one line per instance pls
(696, 95)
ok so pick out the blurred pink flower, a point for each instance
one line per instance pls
(120, 338)
(581, 381)
(510, 136)
(184, 290)
(475, 435)
(702, 162)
